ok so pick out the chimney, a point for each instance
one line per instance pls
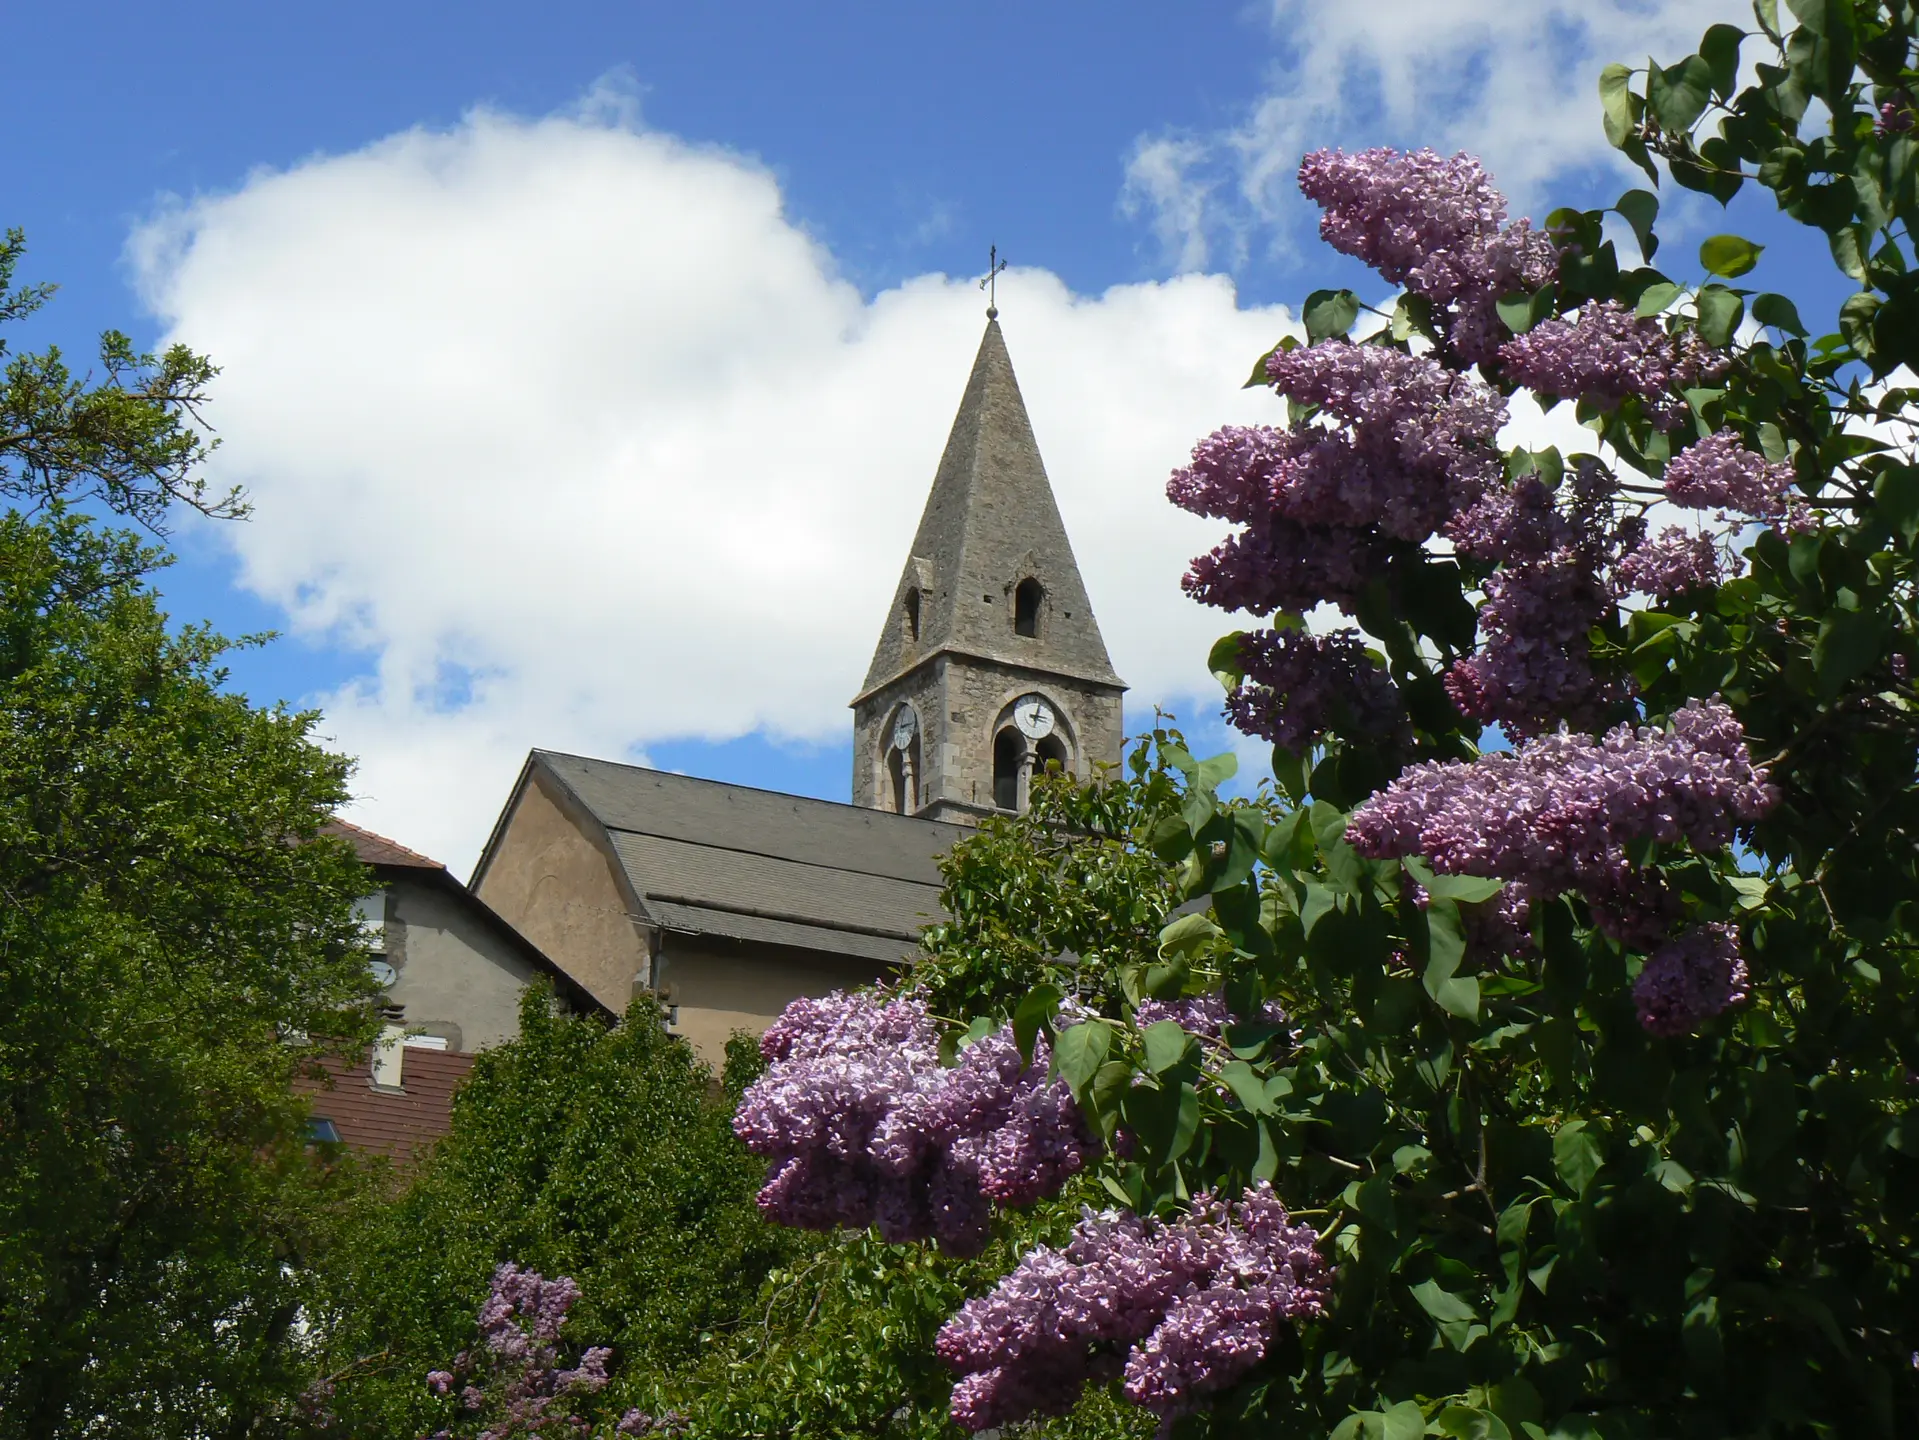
(388, 1053)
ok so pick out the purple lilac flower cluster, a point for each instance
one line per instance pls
(1412, 439)
(1299, 686)
(1180, 1310)
(1408, 443)
(864, 1126)
(515, 1373)
(1435, 225)
(1673, 563)
(1532, 670)
(1607, 354)
(1719, 472)
(1275, 564)
(1689, 980)
(1206, 1016)
(1558, 812)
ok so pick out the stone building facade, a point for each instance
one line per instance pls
(990, 662)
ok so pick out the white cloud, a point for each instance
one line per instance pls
(1513, 81)
(584, 439)
(1167, 186)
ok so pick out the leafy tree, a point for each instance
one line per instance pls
(176, 943)
(1067, 878)
(131, 442)
(1595, 1069)
(604, 1155)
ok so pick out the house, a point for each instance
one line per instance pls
(454, 972)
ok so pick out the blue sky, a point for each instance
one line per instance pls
(199, 173)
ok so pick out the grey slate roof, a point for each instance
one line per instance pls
(708, 858)
(991, 520)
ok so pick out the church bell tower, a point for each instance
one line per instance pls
(989, 664)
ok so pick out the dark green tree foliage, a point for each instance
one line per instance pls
(175, 944)
(603, 1154)
(1070, 877)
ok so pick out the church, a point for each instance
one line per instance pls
(726, 902)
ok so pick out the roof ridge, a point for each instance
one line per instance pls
(338, 826)
(861, 810)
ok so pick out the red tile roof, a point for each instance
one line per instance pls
(377, 849)
(402, 1126)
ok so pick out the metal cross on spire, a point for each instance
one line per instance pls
(987, 282)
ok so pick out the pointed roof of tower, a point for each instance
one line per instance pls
(990, 522)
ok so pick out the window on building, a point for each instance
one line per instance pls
(1008, 752)
(913, 614)
(1026, 597)
(322, 1131)
(370, 911)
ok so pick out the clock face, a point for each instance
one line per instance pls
(1033, 716)
(904, 728)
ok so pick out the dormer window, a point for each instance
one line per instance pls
(913, 615)
(1026, 601)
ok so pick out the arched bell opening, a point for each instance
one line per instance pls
(900, 762)
(897, 774)
(1009, 757)
(1052, 751)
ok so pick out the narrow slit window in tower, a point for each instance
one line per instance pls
(913, 614)
(1008, 752)
(1026, 598)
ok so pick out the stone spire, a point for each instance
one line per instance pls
(990, 522)
(990, 600)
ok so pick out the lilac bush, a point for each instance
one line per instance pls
(1276, 564)
(512, 1383)
(1602, 1073)
(1435, 225)
(1179, 1310)
(1408, 443)
(1719, 472)
(1672, 563)
(1689, 980)
(863, 1124)
(1561, 812)
(1606, 355)
(1298, 686)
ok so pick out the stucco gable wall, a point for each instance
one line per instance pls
(458, 977)
(548, 879)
